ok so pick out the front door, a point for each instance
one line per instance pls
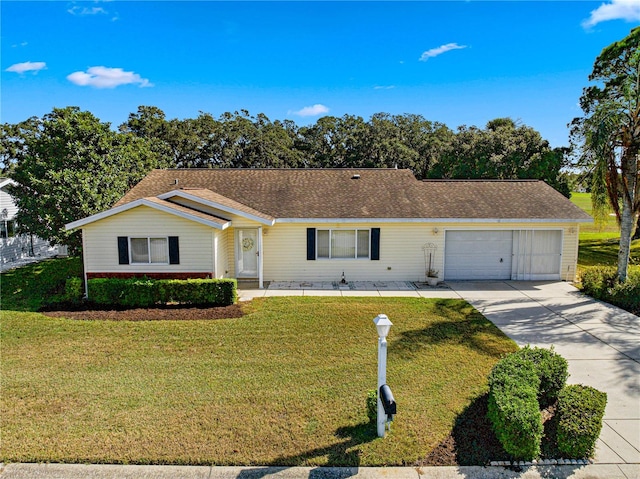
(247, 253)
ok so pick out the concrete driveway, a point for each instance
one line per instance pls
(600, 342)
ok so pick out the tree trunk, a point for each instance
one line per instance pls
(627, 223)
(629, 215)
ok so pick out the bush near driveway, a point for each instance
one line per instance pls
(600, 282)
(518, 381)
(579, 418)
(552, 370)
(513, 406)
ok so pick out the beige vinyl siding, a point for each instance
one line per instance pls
(401, 255)
(205, 249)
(222, 253)
(101, 241)
(401, 251)
(570, 245)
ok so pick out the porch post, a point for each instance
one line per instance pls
(260, 279)
(214, 259)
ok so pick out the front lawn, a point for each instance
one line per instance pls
(599, 246)
(283, 385)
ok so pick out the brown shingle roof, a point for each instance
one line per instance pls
(188, 211)
(213, 197)
(508, 199)
(377, 193)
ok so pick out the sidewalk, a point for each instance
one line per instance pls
(79, 471)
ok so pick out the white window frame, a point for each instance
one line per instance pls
(9, 229)
(355, 236)
(149, 238)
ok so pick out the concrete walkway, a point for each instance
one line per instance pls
(82, 471)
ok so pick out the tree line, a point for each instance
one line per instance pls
(69, 164)
(503, 149)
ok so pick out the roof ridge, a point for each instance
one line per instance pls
(282, 169)
(481, 180)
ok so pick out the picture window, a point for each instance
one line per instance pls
(343, 244)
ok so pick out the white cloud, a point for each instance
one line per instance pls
(434, 52)
(628, 10)
(27, 67)
(103, 77)
(76, 10)
(380, 87)
(314, 110)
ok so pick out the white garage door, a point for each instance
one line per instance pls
(537, 254)
(478, 254)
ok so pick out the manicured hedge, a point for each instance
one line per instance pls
(552, 369)
(579, 418)
(144, 292)
(600, 282)
(73, 291)
(513, 406)
(198, 291)
(521, 384)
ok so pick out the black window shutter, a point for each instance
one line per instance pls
(174, 250)
(311, 243)
(123, 250)
(375, 244)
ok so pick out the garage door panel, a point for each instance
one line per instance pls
(537, 254)
(496, 247)
(482, 254)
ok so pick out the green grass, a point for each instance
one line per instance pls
(284, 385)
(28, 288)
(599, 245)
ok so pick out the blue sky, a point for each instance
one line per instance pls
(460, 63)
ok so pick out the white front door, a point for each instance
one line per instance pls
(247, 253)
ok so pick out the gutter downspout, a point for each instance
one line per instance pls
(84, 265)
(260, 265)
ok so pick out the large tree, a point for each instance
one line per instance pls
(609, 134)
(69, 165)
(502, 150)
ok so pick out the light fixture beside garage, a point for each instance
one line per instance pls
(436, 230)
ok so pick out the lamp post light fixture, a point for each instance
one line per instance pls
(383, 325)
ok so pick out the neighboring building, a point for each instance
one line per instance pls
(316, 224)
(14, 247)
